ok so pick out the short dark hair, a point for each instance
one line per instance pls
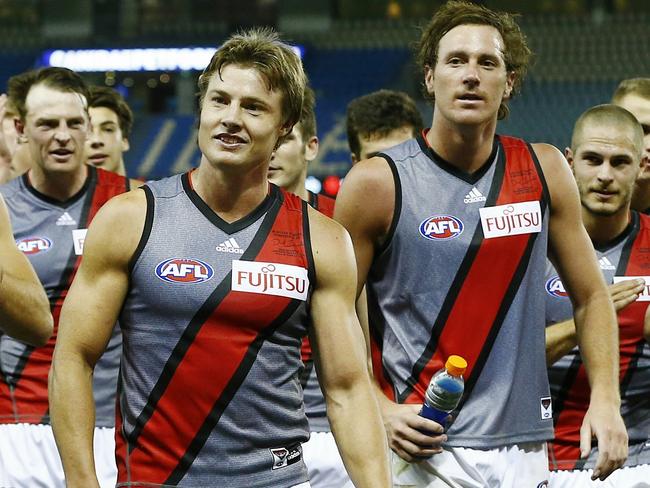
(261, 48)
(62, 79)
(608, 115)
(378, 114)
(308, 115)
(103, 96)
(516, 54)
(632, 86)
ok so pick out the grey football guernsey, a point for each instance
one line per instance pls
(51, 233)
(460, 273)
(212, 325)
(626, 255)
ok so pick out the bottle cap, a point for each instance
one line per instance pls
(455, 365)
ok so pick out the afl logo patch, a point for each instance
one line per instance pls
(34, 245)
(178, 270)
(555, 288)
(441, 227)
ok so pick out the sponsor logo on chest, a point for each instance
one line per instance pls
(555, 288)
(441, 227)
(270, 279)
(184, 270)
(511, 219)
(645, 294)
(78, 238)
(34, 245)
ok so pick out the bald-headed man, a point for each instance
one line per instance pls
(633, 95)
(606, 156)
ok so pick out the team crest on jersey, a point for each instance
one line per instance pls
(184, 270)
(34, 245)
(555, 288)
(440, 227)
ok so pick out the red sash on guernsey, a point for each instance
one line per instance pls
(197, 388)
(461, 324)
(573, 400)
(30, 392)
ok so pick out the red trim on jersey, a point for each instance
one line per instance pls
(484, 289)
(30, 393)
(203, 375)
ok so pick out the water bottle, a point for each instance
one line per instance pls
(445, 390)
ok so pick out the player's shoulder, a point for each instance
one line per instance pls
(374, 174)
(548, 155)
(123, 208)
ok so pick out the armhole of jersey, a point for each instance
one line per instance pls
(146, 231)
(542, 178)
(398, 205)
(311, 267)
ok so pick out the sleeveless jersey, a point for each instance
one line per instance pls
(212, 325)
(460, 273)
(627, 255)
(315, 407)
(51, 233)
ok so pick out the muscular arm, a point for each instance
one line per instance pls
(368, 221)
(561, 337)
(340, 357)
(24, 307)
(87, 320)
(596, 327)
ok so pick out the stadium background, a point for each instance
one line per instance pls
(583, 48)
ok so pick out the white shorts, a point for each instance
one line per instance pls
(630, 477)
(29, 457)
(515, 466)
(324, 463)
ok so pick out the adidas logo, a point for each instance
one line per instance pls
(65, 219)
(474, 196)
(230, 246)
(605, 263)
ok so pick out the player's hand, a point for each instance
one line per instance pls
(625, 292)
(404, 428)
(604, 422)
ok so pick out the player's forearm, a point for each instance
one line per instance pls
(25, 310)
(72, 412)
(597, 335)
(360, 436)
(560, 340)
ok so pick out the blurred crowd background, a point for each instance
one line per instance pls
(583, 48)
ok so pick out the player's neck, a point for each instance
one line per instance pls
(467, 147)
(298, 188)
(121, 169)
(232, 195)
(605, 228)
(60, 186)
